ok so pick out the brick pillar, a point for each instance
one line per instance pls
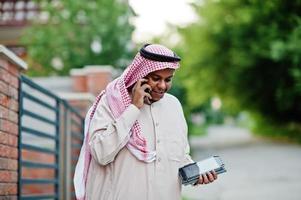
(10, 67)
(79, 80)
(87, 83)
(98, 78)
(91, 78)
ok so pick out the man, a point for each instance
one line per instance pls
(136, 135)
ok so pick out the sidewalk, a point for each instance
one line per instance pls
(256, 169)
(223, 136)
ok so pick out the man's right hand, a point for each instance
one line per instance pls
(139, 93)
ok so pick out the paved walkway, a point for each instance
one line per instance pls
(257, 170)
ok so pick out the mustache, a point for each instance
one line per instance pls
(160, 91)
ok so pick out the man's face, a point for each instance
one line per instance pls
(160, 82)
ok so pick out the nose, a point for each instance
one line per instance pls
(162, 85)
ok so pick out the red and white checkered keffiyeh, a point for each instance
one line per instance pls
(119, 99)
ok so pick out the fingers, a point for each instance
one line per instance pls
(148, 95)
(214, 174)
(139, 85)
(143, 87)
(210, 177)
(146, 86)
(140, 82)
(139, 94)
(207, 178)
(201, 180)
(147, 101)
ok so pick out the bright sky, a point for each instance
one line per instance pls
(154, 14)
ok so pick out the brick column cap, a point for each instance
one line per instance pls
(89, 69)
(77, 72)
(77, 96)
(13, 57)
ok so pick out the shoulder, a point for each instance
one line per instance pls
(100, 102)
(169, 98)
(99, 107)
(171, 101)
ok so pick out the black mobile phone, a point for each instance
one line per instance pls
(146, 99)
(147, 90)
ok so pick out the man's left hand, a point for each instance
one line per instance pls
(206, 178)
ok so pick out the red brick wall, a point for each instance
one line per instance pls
(91, 79)
(79, 82)
(97, 81)
(9, 84)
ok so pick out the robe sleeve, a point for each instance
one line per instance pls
(108, 135)
(187, 158)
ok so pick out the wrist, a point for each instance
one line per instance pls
(137, 105)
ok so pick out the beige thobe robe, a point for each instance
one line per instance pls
(115, 174)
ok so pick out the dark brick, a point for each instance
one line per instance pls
(4, 100)
(10, 164)
(13, 104)
(4, 75)
(8, 152)
(13, 92)
(13, 116)
(8, 139)
(8, 176)
(3, 87)
(8, 126)
(14, 81)
(8, 188)
(6, 197)
(3, 112)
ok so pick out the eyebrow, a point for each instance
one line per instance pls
(158, 76)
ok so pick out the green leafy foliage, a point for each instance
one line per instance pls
(248, 53)
(289, 132)
(71, 34)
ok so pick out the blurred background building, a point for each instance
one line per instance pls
(15, 15)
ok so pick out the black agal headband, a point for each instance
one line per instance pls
(158, 57)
